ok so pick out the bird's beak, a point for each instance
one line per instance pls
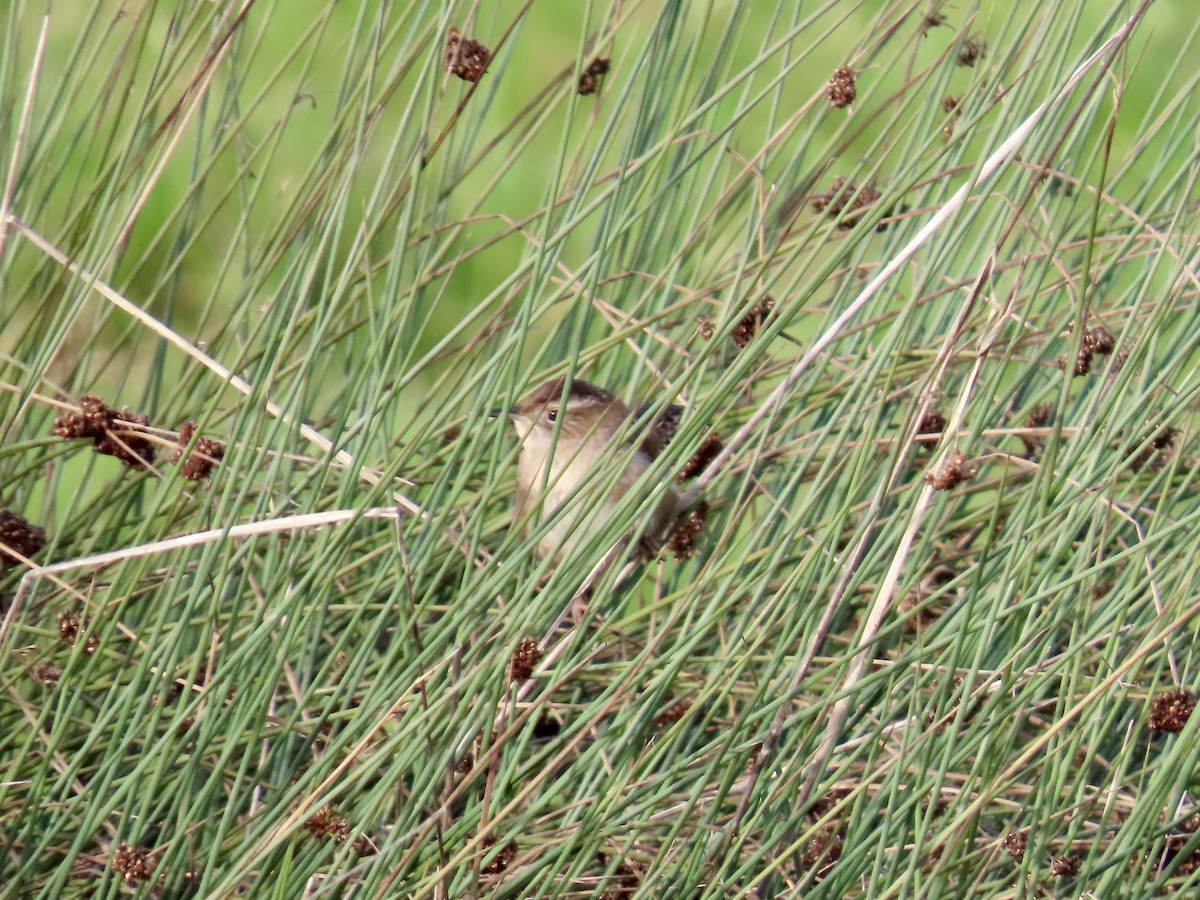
(499, 412)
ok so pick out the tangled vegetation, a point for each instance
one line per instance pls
(923, 282)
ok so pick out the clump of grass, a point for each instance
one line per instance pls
(319, 656)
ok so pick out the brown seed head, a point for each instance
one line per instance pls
(92, 421)
(1082, 365)
(128, 444)
(45, 673)
(69, 627)
(932, 19)
(751, 323)
(465, 57)
(972, 50)
(1015, 843)
(18, 538)
(1064, 866)
(934, 423)
(682, 542)
(1170, 711)
(1040, 417)
(503, 859)
(132, 863)
(823, 851)
(955, 469)
(1100, 340)
(205, 456)
(589, 79)
(1095, 340)
(329, 823)
(113, 433)
(841, 89)
(709, 450)
(524, 660)
(673, 714)
(845, 196)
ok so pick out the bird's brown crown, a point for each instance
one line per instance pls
(551, 393)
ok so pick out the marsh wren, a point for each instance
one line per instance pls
(551, 466)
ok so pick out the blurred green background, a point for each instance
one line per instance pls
(250, 155)
(302, 192)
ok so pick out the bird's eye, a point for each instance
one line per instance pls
(552, 415)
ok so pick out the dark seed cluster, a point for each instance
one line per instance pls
(845, 197)
(682, 542)
(18, 538)
(93, 418)
(329, 823)
(823, 851)
(751, 323)
(465, 57)
(841, 89)
(1015, 843)
(501, 860)
(1175, 844)
(1040, 417)
(524, 660)
(132, 863)
(932, 423)
(950, 108)
(1064, 866)
(589, 81)
(972, 50)
(672, 714)
(205, 455)
(123, 435)
(709, 450)
(45, 673)
(465, 764)
(112, 433)
(955, 469)
(1098, 340)
(547, 727)
(69, 627)
(932, 19)
(1170, 711)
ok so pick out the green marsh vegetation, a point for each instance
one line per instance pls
(931, 276)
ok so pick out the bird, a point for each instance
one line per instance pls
(566, 432)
